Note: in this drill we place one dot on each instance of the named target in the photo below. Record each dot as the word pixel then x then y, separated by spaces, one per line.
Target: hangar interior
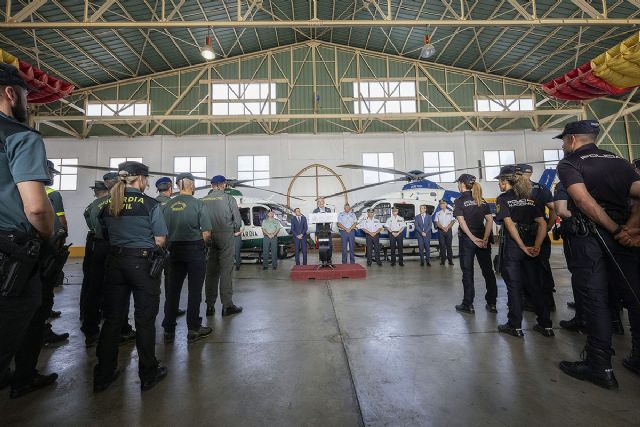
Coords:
pixel 289 84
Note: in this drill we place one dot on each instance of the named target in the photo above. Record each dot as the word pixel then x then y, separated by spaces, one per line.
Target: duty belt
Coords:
pixel 134 252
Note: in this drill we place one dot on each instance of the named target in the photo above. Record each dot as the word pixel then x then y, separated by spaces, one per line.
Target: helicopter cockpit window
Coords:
pixel 281 213
pixel 382 212
pixel 360 208
pixel 245 215
pixel 259 214
pixel 406 210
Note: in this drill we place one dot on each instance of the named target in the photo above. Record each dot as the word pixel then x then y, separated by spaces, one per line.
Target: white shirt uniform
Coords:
pixel 395 223
pixel 371 225
pixel 444 217
pixel 347 219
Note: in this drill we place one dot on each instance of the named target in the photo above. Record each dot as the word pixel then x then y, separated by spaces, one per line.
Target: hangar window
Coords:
pixel 377 160
pixel 439 161
pixel 115 161
pixel 552 157
pixel 504 103
pixel 243 99
pixel 108 109
pixel 68 178
pixel 384 97
pixel 255 168
pixel 196 165
pixel 494 160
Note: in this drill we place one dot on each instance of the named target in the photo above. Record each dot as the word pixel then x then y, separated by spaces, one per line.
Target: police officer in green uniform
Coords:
pixel 60 225
pixel 189 228
pixel 225 220
pixel 135 227
pixel 164 186
pixel 99 189
pixel 26 223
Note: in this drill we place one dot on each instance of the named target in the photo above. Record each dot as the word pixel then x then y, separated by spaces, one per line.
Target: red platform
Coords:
pixel 340 271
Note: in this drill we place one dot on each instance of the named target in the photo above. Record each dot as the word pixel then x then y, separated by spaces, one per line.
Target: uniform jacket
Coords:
pixel 223 211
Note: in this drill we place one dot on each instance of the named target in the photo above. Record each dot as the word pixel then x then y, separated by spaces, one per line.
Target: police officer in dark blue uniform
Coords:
pixel 476 223
pixel 600 185
pixel 189 230
pixel 26 224
pixel 525 230
pixel 544 199
pixel 136 229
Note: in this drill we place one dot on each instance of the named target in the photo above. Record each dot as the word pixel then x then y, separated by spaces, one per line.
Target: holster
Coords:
pixel 55 256
pixel 528 233
pixel 159 259
pixel 575 225
pixel 18 259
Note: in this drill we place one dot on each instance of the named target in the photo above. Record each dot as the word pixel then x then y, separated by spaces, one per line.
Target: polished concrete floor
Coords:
pixel 388 350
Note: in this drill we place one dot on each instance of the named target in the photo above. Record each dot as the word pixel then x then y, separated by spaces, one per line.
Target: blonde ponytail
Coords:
pixel 521 186
pixel 117 193
pixel 476 193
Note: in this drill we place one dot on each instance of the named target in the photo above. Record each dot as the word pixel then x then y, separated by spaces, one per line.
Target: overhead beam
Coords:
pixel 521 10
pixel 315 24
pixel 26 11
pixel 587 8
pixel 101 10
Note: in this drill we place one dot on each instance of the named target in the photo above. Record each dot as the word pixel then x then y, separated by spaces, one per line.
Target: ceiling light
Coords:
pixel 207 51
pixel 428 50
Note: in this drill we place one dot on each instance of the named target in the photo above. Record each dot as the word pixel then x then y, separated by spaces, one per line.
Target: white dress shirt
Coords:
pixel 444 217
pixel 371 225
pixel 395 223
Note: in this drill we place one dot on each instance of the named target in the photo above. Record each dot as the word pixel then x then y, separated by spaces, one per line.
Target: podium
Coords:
pixel 323 221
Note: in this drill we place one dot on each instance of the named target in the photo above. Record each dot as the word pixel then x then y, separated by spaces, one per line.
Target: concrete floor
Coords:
pixel 389 350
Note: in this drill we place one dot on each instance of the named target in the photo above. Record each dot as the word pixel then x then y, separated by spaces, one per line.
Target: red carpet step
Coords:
pixel 341 271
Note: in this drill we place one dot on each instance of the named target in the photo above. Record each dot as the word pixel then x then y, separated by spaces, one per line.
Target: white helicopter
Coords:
pixel 416 192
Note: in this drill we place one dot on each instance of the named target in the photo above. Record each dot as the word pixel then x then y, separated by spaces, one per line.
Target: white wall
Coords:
pixel 288 155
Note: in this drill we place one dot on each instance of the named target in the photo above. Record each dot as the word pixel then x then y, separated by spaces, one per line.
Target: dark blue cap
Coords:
pixel 9 76
pixel 133 168
pixel 509 170
pixel 525 168
pixel 466 179
pixel 110 176
pixel 218 179
pixel 581 127
pixel 164 183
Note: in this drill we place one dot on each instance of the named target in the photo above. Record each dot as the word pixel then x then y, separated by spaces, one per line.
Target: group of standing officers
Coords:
pixel 130 232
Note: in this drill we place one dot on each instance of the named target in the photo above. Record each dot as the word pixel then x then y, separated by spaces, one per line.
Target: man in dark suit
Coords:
pixel 299 230
pixel 423 230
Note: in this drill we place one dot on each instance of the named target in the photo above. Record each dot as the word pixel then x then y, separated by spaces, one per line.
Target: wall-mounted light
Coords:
pixel 207 51
pixel 428 50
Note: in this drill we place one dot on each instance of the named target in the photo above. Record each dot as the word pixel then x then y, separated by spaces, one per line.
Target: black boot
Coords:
pixel 574 324
pixel 632 362
pixel 596 369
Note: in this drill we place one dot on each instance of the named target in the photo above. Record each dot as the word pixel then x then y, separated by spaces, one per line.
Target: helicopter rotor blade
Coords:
pixel 265 189
pixel 376 169
pixel 242 181
pixel 155 173
pixel 364 187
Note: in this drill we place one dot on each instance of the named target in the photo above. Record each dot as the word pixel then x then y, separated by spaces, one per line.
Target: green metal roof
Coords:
pixel 87 57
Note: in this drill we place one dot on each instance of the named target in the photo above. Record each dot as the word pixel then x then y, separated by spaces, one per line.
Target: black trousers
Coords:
pixel 520 271
pixel 26 357
pixel 86 272
pixel 16 314
pixel 396 244
pixel 594 271
pixel 566 245
pixel 445 240
pixel 468 250
pixel 548 284
pixel 127 275
pixel 373 248
pixel 187 260
pixel 94 295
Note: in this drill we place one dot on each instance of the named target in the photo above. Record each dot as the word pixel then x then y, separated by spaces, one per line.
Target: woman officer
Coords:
pixel 133 223
pixel 525 231
pixel 476 222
